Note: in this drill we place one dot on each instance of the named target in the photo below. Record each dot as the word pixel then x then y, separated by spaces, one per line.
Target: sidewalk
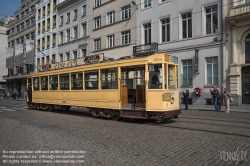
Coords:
pixel 245 109
pixel 20 99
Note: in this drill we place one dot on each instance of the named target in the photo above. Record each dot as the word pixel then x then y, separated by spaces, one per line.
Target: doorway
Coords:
pixel 245 85
pixel 133 96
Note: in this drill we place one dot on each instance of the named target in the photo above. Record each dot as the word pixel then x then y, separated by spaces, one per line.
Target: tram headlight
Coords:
pixel 172 100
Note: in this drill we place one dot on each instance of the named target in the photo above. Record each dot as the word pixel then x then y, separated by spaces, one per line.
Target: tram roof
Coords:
pixel 157 56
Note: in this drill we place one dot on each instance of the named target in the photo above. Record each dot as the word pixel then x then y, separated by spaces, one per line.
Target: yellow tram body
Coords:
pixel 120 88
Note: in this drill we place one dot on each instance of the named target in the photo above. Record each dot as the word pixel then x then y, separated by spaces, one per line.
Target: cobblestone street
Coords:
pixel 196 138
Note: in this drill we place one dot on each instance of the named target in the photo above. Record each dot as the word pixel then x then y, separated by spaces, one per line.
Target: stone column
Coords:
pixel 234 75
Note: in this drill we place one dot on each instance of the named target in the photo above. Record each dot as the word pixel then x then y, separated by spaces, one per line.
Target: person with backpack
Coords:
pixel 227 99
pixel 216 97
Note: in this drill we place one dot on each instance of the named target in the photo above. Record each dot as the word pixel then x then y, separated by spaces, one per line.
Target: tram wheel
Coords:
pixel 116 116
pixel 50 108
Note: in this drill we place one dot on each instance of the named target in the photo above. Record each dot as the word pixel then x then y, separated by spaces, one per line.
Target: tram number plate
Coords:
pixel 63 101
pixel 166 96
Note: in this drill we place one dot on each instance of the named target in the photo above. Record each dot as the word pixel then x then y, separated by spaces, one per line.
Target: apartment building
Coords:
pixel 21 31
pixel 112 28
pixel 73 29
pixel 46 46
pixel 238 61
pixel 190 30
pixel 3 45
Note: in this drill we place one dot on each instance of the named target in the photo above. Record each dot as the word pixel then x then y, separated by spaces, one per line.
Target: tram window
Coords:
pixel 155 76
pixel 91 79
pixel 171 76
pixel 124 76
pixel 109 78
pixel 36 83
pixel 54 82
pixel 76 81
pixel 64 82
pixel 44 81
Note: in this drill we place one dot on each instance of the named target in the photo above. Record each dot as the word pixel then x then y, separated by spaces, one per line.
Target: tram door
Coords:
pixel 133 87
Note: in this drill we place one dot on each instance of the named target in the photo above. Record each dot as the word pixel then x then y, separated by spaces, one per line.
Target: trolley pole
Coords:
pixel 222 52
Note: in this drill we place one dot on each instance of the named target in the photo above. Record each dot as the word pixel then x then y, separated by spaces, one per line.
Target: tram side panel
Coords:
pixel 96 99
pixel 160 101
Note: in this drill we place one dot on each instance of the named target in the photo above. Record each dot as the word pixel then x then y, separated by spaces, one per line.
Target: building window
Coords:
pixel 186 25
pixel 18 28
pixel 125 12
pixel 32 35
pixel 61 37
pixel 68 35
pixel 68 17
pixel 111 41
pixel 247 1
pixel 147 33
pixel 165 30
pixel 84 10
pixel 75 54
pixel 8 44
pixel 247 49
pixel 84 30
pixel 84 52
pixel 27 11
pixel 125 37
pixel 97 44
pixel 33 21
pixel 32 8
pixel 212 19
pixel 17 41
pixel 61 20
pixel 27 23
pixel 187 76
pixel 13 44
pixel 75 32
pixel 22 14
pixel 147 3
pixel 98 22
pixel 212 70
pixel 22 26
pixel 27 36
pixel 67 56
pixel 98 3
pixel 22 40
pixel 61 57
pixel 111 17
pixel 91 79
pixel 13 31
pixel 17 17
pixel 75 14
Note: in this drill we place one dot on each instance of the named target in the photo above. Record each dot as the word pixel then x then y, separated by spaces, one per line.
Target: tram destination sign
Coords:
pixel 74 62
pixel 171 59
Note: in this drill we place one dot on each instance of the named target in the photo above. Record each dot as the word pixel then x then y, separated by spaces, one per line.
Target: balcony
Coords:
pixel 240 10
pixel 145 49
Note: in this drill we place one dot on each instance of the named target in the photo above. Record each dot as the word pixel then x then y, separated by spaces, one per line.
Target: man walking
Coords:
pixel 185 98
pixel 216 96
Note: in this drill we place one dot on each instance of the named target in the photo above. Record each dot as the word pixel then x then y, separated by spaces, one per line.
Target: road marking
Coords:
pixel 2 107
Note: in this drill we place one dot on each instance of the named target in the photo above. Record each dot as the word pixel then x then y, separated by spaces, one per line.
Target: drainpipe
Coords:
pixel 222 52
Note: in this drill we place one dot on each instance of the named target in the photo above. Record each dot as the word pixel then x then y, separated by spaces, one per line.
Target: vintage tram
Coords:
pixel 136 88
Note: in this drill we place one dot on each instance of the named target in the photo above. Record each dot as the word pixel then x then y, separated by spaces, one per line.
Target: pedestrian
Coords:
pixel 227 100
pixel 185 98
pixel 216 97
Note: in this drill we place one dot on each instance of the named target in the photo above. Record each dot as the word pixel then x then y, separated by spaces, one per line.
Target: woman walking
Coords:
pixel 226 97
